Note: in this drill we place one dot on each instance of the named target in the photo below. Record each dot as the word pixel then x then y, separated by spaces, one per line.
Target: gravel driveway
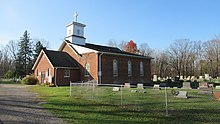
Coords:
pixel 18 106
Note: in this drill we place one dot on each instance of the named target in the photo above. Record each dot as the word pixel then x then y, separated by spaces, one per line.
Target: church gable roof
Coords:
pixel 60 59
pixel 56 59
pixel 113 50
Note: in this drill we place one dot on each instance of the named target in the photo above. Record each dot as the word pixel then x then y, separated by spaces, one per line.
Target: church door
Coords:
pixel 43 74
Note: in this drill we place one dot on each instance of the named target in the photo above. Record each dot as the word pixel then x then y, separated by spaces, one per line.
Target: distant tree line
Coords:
pixel 182 58
pixel 18 56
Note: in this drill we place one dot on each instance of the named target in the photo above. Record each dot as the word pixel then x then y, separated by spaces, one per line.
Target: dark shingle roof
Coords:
pixel 60 59
pixel 110 49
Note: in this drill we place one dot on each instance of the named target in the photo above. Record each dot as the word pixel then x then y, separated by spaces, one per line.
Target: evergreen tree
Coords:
pixel 24 60
pixel 38 47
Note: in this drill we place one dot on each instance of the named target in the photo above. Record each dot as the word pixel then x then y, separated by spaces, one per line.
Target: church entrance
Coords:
pixel 43 74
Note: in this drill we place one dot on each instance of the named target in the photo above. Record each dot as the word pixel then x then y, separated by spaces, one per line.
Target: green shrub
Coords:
pixel 8 74
pixel 47 84
pixel 29 80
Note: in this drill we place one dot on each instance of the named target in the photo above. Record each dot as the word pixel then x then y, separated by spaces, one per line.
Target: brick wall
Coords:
pixel 107 70
pixel 90 58
pixel 42 67
pixel 61 80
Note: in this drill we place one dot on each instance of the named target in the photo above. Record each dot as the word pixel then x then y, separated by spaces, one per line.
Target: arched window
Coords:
pixel 129 69
pixel 87 69
pixel 115 68
pixel 141 69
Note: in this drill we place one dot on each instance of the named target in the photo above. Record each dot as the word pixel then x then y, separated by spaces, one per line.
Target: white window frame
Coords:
pixel 115 68
pixel 141 69
pixel 66 73
pixel 87 70
pixel 129 68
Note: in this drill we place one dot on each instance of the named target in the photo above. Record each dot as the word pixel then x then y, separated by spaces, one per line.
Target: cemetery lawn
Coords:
pixel 137 107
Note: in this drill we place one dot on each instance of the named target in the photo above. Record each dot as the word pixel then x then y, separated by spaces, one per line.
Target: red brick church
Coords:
pixel 78 61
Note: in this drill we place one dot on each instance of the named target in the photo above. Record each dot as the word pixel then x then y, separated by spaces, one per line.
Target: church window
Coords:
pixel 115 68
pixel 129 69
pixel 66 73
pixel 141 69
pixel 87 69
pixel 48 72
pixel 78 32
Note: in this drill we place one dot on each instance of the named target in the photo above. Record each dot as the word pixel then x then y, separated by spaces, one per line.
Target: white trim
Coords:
pixel 68 67
pixel 39 57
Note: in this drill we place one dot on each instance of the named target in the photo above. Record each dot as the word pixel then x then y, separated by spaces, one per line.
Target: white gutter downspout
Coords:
pixel 55 80
pixel 100 69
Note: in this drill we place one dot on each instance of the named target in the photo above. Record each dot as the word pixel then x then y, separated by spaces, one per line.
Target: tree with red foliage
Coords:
pixel 130 47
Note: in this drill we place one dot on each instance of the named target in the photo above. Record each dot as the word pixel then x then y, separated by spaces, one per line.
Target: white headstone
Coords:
pixel 156 87
pixel 116 89
pixel 127 85
pixel 182 94
pixel 159 78
pixel 181 77
pixel 206 76
pixel 192 78
pixel 188 78
pixel 217 87
pixel 154 77
pixel 140 86
pixel 186 85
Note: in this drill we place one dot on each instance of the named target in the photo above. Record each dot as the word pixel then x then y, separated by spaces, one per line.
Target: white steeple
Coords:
pixel 75 32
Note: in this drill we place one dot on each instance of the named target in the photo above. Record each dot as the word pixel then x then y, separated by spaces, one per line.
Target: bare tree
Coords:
pixel 112 43
pixel 145 50
pixel 12 48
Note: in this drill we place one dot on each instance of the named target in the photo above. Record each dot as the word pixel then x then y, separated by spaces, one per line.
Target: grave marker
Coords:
pixel 140 86
pixel 182 94
pixel 217 87
pixel 127 85
pixel 186 85
pixel 116 89
pixel 156 87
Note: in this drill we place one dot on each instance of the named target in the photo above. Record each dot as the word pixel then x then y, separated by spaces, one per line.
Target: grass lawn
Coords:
pixel 137 107
pixel 6 81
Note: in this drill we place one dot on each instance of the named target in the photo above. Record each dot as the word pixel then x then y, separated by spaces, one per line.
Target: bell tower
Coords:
pixel 75 32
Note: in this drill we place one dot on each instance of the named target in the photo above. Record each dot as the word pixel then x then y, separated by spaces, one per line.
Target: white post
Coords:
pixel 166 100
pixel 121 95
pixel 70 89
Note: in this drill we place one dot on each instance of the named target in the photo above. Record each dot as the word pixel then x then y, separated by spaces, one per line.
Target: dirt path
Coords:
pixel 18 106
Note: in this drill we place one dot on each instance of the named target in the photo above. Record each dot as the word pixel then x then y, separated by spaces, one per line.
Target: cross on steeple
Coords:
pixel 75 16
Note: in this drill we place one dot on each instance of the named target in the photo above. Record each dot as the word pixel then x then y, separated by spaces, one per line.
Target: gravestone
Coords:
pixel 127 85
pixel 182 94
pixel 156 87
pixel 217 87
pixel 154 78
pixel 115 89
pixel 188 78
pixel 140 86
pixel 159 78
pixel 133 91
pixel 193 78
pixel 186 85
pixel 203 85
pixel 206 76
pixel 181 78
pixel 204 89
pixel 201 78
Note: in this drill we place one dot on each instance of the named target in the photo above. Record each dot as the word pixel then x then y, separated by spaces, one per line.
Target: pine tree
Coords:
pixel 38 47
pixel 24 60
